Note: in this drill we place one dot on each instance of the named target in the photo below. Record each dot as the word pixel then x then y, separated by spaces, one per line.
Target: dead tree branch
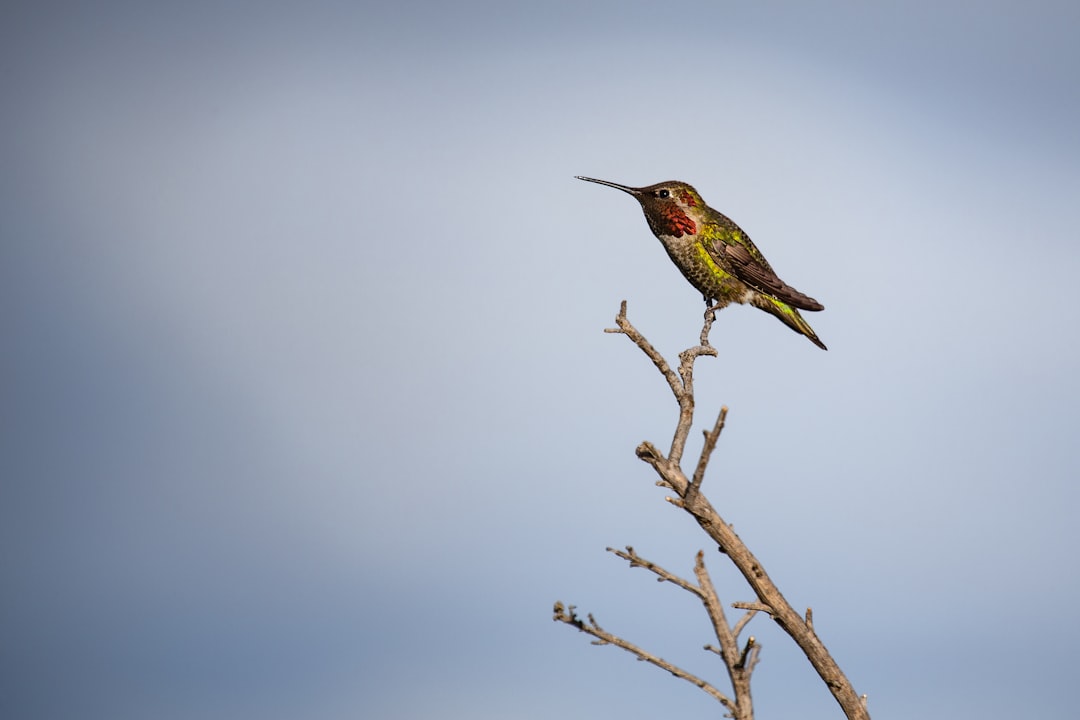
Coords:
pixel 698 506
pixel 739 662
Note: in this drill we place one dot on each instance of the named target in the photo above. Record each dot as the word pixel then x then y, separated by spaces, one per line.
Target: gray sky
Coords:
pixel 307 410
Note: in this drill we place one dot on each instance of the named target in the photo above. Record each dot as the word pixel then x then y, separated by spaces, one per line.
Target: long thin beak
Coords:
pixel 617 186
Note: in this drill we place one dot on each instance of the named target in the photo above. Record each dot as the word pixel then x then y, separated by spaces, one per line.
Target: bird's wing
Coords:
pixel 731 248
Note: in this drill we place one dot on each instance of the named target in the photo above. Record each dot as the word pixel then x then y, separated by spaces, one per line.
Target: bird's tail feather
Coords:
pixel 787 315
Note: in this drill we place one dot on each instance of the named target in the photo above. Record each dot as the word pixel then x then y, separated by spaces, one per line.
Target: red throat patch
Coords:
pixel 676 222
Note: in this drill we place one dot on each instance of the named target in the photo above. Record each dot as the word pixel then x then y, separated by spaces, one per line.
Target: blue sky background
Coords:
pixel 306 409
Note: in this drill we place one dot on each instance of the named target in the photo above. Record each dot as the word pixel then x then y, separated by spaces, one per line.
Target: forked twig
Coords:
pixel 681 382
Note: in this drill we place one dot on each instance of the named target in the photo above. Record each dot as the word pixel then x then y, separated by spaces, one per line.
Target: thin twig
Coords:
pixel 738 628
pixel 567 614
pixel 663 575
pixel 714 608
pixel 707 449
pixel 623 327
pixel 735 663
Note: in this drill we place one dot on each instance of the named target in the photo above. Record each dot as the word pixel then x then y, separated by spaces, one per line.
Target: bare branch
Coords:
pixel 715 609
pixel 739 663
pixel 671 475
pixel 624 327
pixel 738 672
pixel 735 663
pixel 681 383
pixel 636 560
pixel 686 399
pixel 772 601
pixel 567 614
pixel 707 449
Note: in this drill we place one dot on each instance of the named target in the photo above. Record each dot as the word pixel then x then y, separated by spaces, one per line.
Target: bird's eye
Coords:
pixel 662 194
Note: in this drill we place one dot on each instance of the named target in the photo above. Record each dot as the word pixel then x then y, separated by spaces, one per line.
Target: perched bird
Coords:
pixel 716 256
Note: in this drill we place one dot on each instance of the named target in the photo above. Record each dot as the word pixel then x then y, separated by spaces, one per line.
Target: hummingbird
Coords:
pixel 715 255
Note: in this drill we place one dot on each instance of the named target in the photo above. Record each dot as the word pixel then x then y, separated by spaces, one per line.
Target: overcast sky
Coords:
pixel 306 409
